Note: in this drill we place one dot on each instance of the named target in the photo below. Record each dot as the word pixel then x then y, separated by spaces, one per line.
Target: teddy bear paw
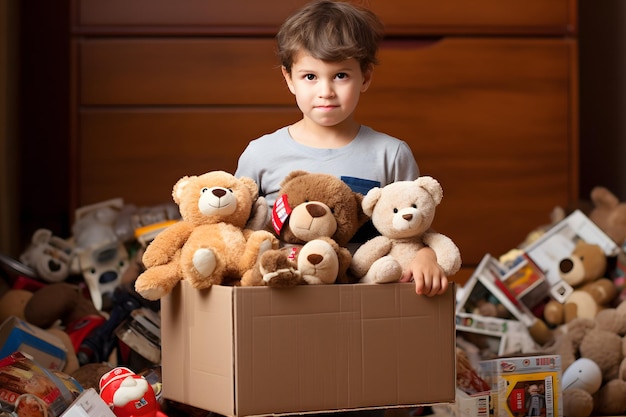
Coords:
pixel 383 271
pixel 204 262
pixel 153 294
pixel 278 270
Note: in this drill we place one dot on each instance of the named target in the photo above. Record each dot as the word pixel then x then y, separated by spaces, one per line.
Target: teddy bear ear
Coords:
pixel 431 186
pixel 370 200
pixel 179 187
pixel 602 197
pixel 292 175
pixel 41 236
pixel 252 187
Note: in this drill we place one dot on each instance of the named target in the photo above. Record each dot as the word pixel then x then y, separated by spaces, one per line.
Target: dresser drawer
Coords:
pixel 139 154
pixel 264 17
pixel 493 119
pixel 173 71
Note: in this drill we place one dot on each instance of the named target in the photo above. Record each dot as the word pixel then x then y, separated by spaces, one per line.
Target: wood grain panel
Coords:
pixel 264 17
pixel 180 72
pixel 140 154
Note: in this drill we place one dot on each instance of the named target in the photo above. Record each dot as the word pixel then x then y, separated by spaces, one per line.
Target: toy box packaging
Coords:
pixel 88 404
pixel 46 348
pixel 525 386
pixel 243 351
pixel 29 389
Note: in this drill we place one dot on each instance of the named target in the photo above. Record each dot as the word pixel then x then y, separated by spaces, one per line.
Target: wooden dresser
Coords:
pixel 485 93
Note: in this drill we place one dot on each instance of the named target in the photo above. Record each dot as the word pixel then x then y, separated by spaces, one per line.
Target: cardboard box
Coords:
pixel 528 386
pixel 255 350
pixel 88 404
pixel 18 335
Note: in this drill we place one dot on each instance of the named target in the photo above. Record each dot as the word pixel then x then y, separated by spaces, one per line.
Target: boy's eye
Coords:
pixel 341 75
pixel 309 77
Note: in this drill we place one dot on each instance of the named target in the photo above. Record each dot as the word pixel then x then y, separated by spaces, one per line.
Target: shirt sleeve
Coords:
pixel 406 168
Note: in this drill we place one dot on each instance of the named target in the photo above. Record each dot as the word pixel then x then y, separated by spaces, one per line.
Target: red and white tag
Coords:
pixel 280 213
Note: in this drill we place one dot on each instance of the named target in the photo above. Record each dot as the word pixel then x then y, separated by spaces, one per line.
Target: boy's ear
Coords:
pixel 287 77
pixel 367 78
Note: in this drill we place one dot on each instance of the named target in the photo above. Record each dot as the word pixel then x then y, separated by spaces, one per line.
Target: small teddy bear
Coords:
pixel 210 245
pixel 314 217
pixel 599 340
pixel 584 270
pixel 50 256
pixel 403 213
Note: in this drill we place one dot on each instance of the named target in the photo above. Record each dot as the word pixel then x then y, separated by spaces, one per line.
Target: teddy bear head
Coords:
pixel 215 197
pixel 609 214
pixel 586 263
pixel 50 256
pixel 312 205
pixel 404 209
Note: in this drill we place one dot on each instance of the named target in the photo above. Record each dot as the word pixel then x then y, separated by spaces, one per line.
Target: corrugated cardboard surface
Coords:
pixel 252 351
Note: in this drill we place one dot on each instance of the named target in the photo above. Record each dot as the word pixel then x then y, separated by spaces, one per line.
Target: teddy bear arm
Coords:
pixel 448 254
pixel 165 245
pixel 368 253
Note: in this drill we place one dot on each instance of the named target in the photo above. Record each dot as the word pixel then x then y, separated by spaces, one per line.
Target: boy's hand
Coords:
pixel 429 277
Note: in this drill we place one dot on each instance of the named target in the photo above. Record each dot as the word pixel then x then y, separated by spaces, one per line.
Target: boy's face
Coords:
pixel 327 93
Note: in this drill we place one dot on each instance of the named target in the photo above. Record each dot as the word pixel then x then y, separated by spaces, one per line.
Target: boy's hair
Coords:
pixel 331 31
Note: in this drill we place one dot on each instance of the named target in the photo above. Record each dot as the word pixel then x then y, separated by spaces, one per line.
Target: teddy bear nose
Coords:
pixel 218 192
pixel 407 217
pixel 566 265
pixel 315 259
pixel 316 210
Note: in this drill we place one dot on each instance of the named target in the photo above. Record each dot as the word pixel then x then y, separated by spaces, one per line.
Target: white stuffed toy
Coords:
pixel 402 212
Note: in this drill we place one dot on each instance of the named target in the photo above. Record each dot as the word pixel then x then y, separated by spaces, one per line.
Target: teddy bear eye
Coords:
pixel 204 190
pixel 395 210
pixel 414 206
pixel 230 190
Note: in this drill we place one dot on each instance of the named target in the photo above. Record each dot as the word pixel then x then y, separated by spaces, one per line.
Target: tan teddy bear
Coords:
pixel 600 340
pixel 210 245
pixel 315 216
pixel 403 213
pixel 584 270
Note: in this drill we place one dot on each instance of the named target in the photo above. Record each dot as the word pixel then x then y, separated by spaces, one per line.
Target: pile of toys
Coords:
pixel 69 312
pixel 559 295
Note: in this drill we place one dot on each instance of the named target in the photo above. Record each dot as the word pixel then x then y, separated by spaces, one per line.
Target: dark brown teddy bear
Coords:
pixel 314 217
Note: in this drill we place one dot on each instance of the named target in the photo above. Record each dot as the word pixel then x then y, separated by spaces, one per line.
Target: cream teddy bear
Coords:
pixel 403 213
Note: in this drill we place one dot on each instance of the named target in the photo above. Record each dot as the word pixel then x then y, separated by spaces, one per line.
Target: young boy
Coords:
pixel 328 51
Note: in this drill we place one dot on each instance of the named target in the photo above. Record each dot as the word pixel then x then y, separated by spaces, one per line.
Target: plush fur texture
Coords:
pixel 403 213
pixel 325 215
pixel 211 244
pixel 601 340
pixel 584 270
pixel 609 214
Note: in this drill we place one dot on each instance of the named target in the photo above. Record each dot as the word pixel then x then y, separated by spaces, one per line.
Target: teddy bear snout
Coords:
pixel 316 210
pixel 217 201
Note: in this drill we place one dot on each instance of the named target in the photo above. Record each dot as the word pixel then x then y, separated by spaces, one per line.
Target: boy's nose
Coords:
pixel 326 90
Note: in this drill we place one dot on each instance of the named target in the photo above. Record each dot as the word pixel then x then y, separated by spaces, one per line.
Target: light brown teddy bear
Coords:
pixel 600 340
pixel 609 214
pixel 403 213
pixel 210 245
pixel 315 216
pixel 584 270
